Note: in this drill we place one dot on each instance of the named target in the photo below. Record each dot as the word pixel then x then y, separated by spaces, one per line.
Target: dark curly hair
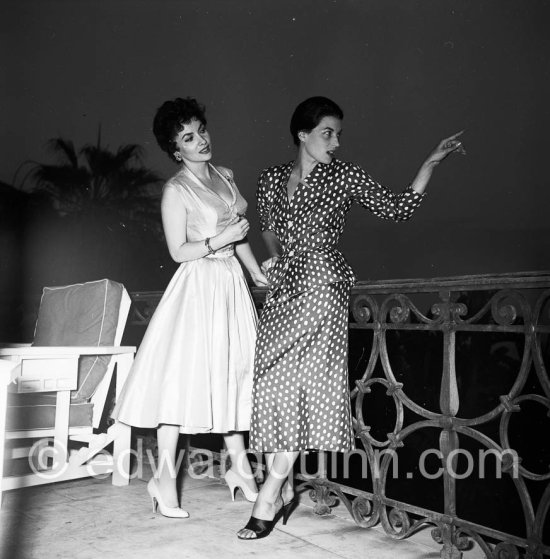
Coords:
pixel 170 118
pixel 310 112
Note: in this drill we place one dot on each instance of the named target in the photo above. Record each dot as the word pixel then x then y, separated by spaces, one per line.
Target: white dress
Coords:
pixel 194 366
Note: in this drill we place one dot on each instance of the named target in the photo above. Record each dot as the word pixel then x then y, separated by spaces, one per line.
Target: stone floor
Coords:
pixel 90 519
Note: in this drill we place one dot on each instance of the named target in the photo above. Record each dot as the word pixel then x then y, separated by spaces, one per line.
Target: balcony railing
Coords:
pixel 451 400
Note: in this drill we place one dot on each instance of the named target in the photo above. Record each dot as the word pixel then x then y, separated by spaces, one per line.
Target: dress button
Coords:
pixel 290 223
pixel 291 253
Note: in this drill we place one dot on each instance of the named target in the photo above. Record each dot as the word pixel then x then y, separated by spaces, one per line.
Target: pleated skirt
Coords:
pixel 194 367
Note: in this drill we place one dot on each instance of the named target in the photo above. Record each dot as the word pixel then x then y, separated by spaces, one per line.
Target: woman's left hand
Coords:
pixel 259 279
pixel 446 146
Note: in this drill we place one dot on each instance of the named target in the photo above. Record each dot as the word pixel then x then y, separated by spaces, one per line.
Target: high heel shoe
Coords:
pixel 235 481
pixel 158 503
pixel 263 528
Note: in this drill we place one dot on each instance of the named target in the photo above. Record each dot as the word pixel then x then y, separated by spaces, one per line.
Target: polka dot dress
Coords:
pixel 301 395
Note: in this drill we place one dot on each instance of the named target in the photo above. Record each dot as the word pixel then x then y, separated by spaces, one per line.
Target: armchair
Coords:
pixel 53 392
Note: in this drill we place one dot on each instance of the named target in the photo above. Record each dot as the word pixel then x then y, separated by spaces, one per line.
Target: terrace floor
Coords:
pixel 88 519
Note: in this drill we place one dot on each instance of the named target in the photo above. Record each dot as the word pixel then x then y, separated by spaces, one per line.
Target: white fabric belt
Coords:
pixel 224 253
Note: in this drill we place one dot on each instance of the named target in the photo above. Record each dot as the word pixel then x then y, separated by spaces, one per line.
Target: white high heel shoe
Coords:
pixel 235 481
pixel 170 512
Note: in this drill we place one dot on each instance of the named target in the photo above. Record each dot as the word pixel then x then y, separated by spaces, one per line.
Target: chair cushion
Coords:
pixel 84 314
pixel 37 411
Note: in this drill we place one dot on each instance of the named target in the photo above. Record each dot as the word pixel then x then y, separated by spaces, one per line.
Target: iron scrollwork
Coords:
pixel 514 308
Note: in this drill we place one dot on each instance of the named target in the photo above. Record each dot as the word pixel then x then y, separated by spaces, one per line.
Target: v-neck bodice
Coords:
pixel 226 180
pixel 302 183
pixel 207 212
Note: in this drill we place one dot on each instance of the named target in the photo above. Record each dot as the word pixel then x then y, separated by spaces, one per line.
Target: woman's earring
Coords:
pixel 177 156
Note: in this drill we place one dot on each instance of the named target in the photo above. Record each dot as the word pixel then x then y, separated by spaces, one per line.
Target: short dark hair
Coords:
pixel 310 112
pixel 170 118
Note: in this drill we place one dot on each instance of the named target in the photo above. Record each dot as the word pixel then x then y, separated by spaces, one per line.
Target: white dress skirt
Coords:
pixel 194 366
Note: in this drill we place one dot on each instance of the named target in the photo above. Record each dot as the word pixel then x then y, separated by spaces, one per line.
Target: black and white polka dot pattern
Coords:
pixel 310 226
pixel 301 395
pixel 301 398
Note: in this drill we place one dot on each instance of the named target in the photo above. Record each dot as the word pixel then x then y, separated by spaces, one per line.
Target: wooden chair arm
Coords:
pixel 34 352
pixel 8 372
pixel 53 368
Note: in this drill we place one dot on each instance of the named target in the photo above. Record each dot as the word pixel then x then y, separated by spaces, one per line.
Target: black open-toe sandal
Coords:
pixel 263 528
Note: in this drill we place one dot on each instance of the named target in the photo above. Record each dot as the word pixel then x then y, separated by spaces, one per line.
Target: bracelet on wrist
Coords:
pixel 207 245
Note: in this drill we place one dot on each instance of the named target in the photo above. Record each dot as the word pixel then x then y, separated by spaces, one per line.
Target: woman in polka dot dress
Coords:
pixel 301 396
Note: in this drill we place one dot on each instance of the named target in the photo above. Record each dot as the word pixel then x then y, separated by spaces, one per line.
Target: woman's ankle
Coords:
pixel 246 474
pixel 168 491
pixel 266 508
pixel 287 492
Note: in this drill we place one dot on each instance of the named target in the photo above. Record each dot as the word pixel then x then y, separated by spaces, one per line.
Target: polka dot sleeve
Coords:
pixel 264 200
pixel 380 200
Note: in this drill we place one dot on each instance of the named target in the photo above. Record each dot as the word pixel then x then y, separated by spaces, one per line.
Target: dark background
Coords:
pixel 406 73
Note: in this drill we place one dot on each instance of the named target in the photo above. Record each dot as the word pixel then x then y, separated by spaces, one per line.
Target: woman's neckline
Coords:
pixel 224 179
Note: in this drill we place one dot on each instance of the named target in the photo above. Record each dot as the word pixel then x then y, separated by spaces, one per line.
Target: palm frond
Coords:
pixel 61 177
pixel 128 153
pixel 105 183
pixel 100 161
pixel 65 148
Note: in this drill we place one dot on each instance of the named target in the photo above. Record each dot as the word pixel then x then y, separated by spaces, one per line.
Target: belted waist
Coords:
pixel 306 267
pixel 311 241
pixel 224 252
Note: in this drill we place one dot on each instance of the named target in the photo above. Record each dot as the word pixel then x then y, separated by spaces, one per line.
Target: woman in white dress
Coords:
pixel 193 370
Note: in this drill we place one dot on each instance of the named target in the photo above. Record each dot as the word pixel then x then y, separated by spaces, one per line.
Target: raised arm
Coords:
pixel 387 204
pixel 444 148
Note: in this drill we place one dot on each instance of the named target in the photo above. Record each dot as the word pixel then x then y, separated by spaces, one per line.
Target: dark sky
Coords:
pixel 406 73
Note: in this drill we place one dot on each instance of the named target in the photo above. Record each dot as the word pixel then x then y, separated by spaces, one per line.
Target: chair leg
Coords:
pixel 3 406
pixel 123 432
pixel 121 453
pixel 61 430
pixel 6 368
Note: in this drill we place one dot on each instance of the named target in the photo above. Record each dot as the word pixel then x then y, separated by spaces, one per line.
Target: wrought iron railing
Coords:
pixel 445 373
